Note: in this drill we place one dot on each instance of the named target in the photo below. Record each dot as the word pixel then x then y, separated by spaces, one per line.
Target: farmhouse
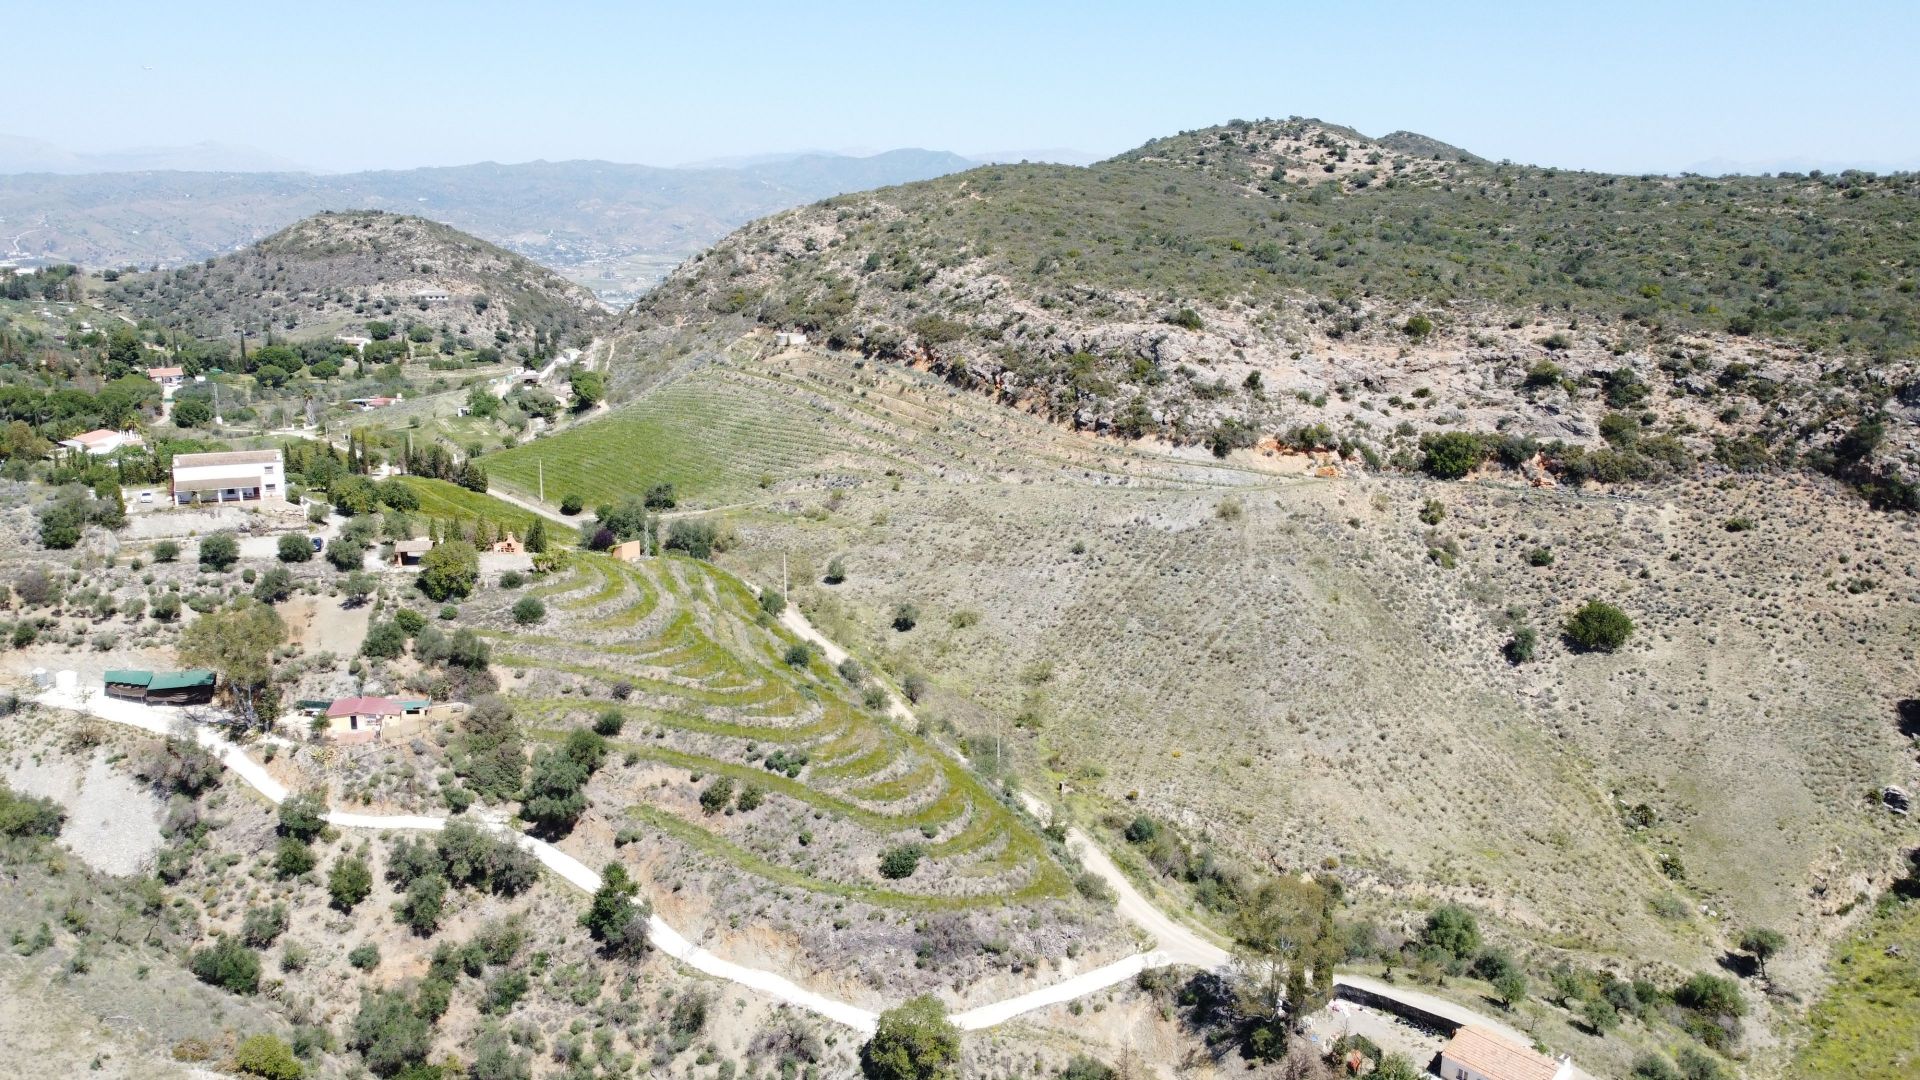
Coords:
pixel 789 340
pixel 368 404
pixel 228 476
pixel 432 296
pixel 362 719
pixel 169 378
pixel 101 442
pixel 630 551
pixel 1475 1053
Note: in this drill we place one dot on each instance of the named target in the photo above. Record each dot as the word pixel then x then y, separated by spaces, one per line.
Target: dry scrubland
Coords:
pixel 1310 672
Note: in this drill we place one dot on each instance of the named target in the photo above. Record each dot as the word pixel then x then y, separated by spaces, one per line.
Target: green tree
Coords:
pixel 191 412
pixel 420 908
pixel 589 388
pixel 303 816
pixel 219 551
pixel 1451 930
pixel 239 641
pixel 295 548
pixel 897 863
pixel 1599 1015
pixel 614 920
pixel 1763 945
pixel 267 1056
pixel 389 1033
pixel 1286 946
pixel 914 1041
pixel 1598 627
pixel 489 753
pixel 349 882
pixel 1512 987
pixel 227 964
pixel 449 571
pixel 1450 455
pixel 696 538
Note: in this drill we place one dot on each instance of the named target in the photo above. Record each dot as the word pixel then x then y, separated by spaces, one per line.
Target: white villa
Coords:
pixel 169 378
pixel 229 476
pixel 102 442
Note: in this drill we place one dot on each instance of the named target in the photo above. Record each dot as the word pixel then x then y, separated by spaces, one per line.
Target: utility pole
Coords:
pixel 783 575
pixel 541 465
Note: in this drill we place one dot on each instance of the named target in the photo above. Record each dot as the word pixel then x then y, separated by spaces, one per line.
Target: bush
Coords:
pixel 266 1056
pixel 1450 455
pixel 27 815
pixel 291 858
pixel 410 620
pixel 1451 930
pixel 529 610
pixel 219 551
pixel 772 602
pixel 419 910
pixel 571 503
pixel 365 956
pixel 295 548
pixel 166 551
pixel 450 570
pixel 260 927
pixel 349 882
pixel 914 1041
pixel 836 571
pixel 346 554
pixel 696 538
pixel 898 863
pixel 384 641
pixel 1711 995
pixel 389 1033
pixel 512 579
pixel 905 617
pixel 1521 647
pixel 716 796
pixel 609 723
pixel 227 964
pixel 274 586
pixel 613 919
pixel 1598 627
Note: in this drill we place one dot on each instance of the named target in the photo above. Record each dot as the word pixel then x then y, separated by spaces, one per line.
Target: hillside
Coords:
pixel 1296 284
pixel 612 227
pixel 335 272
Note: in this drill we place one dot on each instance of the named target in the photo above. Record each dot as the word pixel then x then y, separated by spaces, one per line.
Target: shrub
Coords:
pixel 260 927
pixel 389 1033
pixel 274 586
pixel 905 617
pixel 1540 556
pixel 1598 627
pixel 528 610
pixel 410 620
pixel 1186 319
pixel 914 1041
pixel 1417 327
pixel 349 882
pixel 1450 455
pixel 268 1057
pixel 227 964
pixel 696 538
pixel 836 571
pixel 609 723
pixel 717 795
pixel 798 655
pixel 27 815
pixel 772 602
pixel 295 548
pixel 571 503
pixel 384 641
pixel 166 551
pixel 450 570
pixel 1142 830
pixel 512 579
pixel 420 908
pixel 1711 995
pixel 897 863
pixel 291 858
pixel 219 551
pixel 1452 930
pixel 1521 647
pixel 365 956
pixel 613 919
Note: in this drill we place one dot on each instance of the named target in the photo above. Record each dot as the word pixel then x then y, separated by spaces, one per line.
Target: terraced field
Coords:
pixel 712 693
pixel 451 502
pixel 734 429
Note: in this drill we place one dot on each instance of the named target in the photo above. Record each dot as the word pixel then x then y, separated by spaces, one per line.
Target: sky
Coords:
pixel 337 86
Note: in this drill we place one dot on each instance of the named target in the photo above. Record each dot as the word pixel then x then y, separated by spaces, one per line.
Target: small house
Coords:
pixel 169 379
pixel 508 545
pixel 410 552
pixel 630 551
pixel 363 719
pixel 789 340
pixel 1477 1053
pixel 101 442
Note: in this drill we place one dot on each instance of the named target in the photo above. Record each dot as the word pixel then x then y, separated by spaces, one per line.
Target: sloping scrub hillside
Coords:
pixel 1295 281
pixel 336 272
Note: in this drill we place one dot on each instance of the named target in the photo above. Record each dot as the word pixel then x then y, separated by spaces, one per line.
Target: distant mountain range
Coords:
pixel 19 154
pixel 611 227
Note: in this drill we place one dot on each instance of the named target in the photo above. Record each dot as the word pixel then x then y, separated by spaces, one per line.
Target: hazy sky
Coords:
pixel 1621 86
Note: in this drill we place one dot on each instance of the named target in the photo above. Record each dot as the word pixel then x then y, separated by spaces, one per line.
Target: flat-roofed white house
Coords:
pixel 229 476
pixel 102 441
